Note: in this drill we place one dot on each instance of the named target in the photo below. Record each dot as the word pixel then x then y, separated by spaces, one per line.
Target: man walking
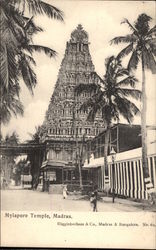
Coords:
pixel 93 199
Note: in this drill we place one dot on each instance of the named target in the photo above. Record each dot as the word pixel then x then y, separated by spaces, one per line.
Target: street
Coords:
pixel 29 200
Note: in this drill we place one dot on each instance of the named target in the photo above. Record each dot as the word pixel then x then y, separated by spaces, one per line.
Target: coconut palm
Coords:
pixel 110 96
pixel 10 104
pixel 142 46
pixel 16 47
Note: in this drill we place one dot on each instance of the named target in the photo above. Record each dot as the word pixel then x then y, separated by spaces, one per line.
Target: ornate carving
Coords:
pixel 79 35
pixel 76 68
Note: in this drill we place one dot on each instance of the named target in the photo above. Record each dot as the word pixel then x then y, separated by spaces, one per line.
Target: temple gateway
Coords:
pixel 65 129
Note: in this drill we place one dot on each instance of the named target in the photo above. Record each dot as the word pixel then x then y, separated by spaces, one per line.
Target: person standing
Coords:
pixel 65 192
pixel 93 199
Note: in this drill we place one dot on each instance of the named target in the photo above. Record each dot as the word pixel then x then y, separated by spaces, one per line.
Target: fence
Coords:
pixel 128 175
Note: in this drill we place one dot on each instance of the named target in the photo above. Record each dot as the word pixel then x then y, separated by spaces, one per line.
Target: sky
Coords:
pixel 102 21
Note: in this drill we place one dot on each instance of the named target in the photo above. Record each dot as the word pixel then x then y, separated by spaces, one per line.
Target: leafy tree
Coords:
pixel 20 168
pixel 8 161
pixel 142 46
pixel 12 139
pixel 16 50
pixel 10 104
pixel 35 157
pixel 111 97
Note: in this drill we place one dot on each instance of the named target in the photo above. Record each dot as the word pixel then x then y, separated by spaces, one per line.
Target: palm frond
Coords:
pixel 14 23
pixel 134 60
pixel 124 39
pixel 9 105
pixel 134 93
pixel 125 51
pixel 16 107
pixel 149 60
pixel 130 80
pixel 89 103
pixel 153 48
pixel 8 66
pixel 92 113
pixel 152 44
pixel 122 72
pixel 88 88
pixel 8 33
pixel 30 59
pixel 126 108
pixel 99 78
pixel 130 26
pixel 38 48
pixel 27 73
pixel 32 25
pixel 12 17
pixel 151 31
pixel 107 112
pixel 39 7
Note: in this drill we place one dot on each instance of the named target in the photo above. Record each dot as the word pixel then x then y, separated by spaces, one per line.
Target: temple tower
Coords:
pixel 65 126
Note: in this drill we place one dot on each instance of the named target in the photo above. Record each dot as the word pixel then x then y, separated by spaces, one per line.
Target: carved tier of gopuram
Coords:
pixel 66 127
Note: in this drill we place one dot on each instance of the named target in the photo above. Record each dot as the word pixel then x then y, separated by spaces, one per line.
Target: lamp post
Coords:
pixel 113 156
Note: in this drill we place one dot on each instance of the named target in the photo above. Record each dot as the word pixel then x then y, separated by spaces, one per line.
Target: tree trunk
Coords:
pixel 143 124
pixel 35 160
pixel 106 144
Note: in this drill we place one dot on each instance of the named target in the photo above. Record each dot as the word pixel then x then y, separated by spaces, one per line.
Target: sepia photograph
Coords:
pixel 77 114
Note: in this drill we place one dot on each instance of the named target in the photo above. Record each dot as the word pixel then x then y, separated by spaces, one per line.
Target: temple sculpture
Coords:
pixel 65 128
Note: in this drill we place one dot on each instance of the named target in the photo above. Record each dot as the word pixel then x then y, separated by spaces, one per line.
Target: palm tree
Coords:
pixel 110 96
pixel 10 104
pixel 142 46
pixel 16 47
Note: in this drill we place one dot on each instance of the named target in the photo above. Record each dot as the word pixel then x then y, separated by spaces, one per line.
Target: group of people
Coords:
pixel 93 197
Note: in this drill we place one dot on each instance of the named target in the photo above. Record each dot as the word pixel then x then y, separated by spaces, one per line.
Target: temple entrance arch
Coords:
pixel 35 154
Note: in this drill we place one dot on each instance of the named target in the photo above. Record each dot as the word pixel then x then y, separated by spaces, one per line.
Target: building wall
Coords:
pixel 123 137
pixel 128 172
pixel 63 155
pixel 129 179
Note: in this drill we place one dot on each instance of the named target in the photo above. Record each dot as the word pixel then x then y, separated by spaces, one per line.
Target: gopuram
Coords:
pixel 65 129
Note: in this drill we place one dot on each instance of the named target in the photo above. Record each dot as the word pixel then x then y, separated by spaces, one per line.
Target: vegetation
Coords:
pixel 35 158
pixel 111 97
pixel 20 168
pixel 142 46
pixel 7 162
pixel 16 50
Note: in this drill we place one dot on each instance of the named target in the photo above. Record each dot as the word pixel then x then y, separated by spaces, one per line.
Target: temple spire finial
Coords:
pixel 79 35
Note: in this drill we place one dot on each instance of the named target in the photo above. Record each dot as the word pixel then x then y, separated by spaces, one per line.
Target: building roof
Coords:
pixel 53 163
pixel 123 156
